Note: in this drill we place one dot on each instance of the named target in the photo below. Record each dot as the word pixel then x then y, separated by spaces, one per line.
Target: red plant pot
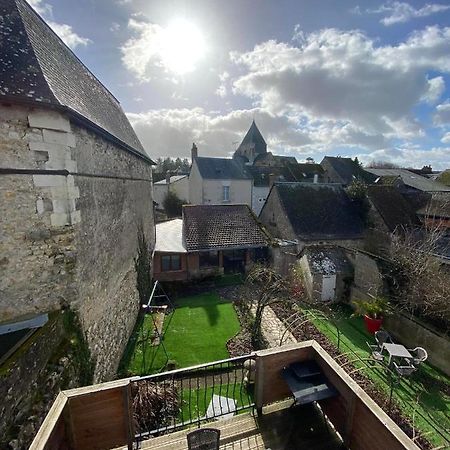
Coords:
pixel 372 324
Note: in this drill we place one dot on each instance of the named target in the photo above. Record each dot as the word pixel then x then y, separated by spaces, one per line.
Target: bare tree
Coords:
pixel 270 288
pixel 422 282
pixel 381 165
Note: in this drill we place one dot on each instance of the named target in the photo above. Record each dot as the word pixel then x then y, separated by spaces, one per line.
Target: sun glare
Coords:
pixel 182 46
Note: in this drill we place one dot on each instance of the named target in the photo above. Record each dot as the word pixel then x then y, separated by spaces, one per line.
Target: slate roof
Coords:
pixel 221 169
pixel 437 206
pixel 319 211
pixel 347 169
pixel 37 67
pixel 327 260
pixel 411 179
pixel 254 137
pixel 393 208
pixel 210 227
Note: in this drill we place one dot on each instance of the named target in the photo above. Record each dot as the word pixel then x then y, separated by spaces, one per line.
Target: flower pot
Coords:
pixel 372 324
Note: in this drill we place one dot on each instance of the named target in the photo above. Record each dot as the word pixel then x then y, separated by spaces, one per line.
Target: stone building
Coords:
pixel 312 214
pixel 75 190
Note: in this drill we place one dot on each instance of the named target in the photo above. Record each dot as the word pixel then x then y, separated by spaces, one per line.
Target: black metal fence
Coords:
pixel 169 401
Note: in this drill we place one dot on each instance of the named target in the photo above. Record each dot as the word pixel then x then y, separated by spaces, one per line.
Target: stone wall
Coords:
pixel 71 238
pixel 36 255
pixel 274 218
pixel 411 333
pixel 114 204
pixel 367 280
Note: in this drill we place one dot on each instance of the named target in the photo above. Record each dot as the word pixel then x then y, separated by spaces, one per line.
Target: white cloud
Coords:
pixel 343 77
pixel 437 157
pixel 446 138
pixel 222 90
pixel 155 50
pixel 41 7
pixel 63 30
pixel 400 12
pixel 442 115
pixel 435 90
pixel 66 33
pixel 171 131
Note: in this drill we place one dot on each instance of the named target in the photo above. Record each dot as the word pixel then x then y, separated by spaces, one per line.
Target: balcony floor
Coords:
pixel 279 428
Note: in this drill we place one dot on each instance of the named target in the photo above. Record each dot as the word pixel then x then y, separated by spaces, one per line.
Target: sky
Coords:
pixel 320 77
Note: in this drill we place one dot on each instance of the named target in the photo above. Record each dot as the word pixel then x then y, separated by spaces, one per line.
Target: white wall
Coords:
pixel 240 192
pixel 210 192
pixel 181 188
pixel 159 193
pixel 195 186
pixel 259 197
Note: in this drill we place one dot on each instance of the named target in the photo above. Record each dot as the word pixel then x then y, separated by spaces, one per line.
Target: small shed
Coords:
pixel 327 272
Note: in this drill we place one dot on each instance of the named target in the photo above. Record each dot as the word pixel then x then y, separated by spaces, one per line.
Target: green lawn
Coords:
pixel 420 397
pixel 196 332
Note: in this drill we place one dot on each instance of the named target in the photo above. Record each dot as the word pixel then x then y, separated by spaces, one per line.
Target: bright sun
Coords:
pixel 182 46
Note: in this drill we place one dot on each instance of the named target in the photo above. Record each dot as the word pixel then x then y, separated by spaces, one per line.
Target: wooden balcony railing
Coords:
pixel 101 416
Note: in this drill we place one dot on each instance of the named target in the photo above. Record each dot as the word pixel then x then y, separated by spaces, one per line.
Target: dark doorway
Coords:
pixel 234 261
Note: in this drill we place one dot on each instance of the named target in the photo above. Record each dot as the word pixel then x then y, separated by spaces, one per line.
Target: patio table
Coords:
pixel 396 351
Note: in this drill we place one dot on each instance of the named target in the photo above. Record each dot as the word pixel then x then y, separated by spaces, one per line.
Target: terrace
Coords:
pixel 157 411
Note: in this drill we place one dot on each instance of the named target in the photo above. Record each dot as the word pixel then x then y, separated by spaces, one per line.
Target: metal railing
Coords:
pixel 169 401
pixel 392 380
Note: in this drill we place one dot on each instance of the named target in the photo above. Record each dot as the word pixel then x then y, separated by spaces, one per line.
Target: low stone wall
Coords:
pixel 413 334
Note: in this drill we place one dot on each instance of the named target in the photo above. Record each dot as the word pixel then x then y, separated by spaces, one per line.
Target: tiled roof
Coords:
pixel 347 169
pixel 392 207
pixel 36 66
pixel 411 179
pixel 221 169
pixel 221 227
pixel 319 211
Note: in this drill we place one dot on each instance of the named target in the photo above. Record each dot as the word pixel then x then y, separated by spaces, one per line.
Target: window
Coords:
pixel 226 193
pixel 209 259
pixel 170 262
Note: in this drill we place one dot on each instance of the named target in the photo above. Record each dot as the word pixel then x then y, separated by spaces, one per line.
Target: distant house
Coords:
pixel 411 181
pixel 312 214
pixel 344 171
pixel 178 184
pixel 328 272
pixel 219 180
pixel 208 240
pixel 247 177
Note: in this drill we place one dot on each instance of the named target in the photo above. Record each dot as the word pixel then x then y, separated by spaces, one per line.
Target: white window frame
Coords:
pixel 225 193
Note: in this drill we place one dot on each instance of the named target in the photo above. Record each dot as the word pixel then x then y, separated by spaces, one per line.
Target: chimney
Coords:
pixel 194 152
pixel 316 178
pixel 168 177
pixel 272 179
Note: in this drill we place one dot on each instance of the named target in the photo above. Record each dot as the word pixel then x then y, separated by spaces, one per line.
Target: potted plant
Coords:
pixel 372 310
